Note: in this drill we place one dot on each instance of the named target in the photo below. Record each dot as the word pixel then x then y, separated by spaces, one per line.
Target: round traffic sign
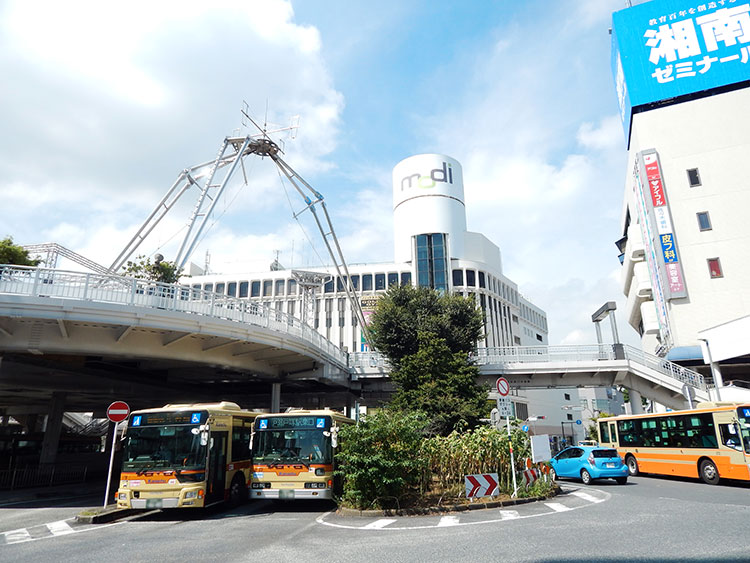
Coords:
pixel 118 411
pixel 503 387
pixel 525 427
pixel 579 421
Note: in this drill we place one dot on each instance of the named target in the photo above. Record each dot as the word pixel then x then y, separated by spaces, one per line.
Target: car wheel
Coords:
pixel 709 473
pixel 621 480
pixel 552 474
pixel 585 477
pixel 632 464
pixel 237 491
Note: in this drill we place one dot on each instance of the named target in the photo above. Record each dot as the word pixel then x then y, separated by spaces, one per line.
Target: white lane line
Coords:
pixel 509 514
pixel 557 507
pixel 448 521
pixel 586 496
pixel 60 528
pixel 382 523
pixel 15 536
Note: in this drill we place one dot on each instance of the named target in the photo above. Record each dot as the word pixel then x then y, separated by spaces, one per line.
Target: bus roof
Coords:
pixel 315 412
pixel 224 406
pixel 700 407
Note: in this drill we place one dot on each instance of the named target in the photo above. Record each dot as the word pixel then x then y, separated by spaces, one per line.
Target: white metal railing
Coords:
pixel 121 290
pixel 588 353
pixel 558 355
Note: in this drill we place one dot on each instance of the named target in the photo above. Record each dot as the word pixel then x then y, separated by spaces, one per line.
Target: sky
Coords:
pixel 102 105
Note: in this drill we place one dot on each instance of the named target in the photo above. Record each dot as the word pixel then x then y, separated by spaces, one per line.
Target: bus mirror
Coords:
pixel 204 438
pixel 195 431
pixel 334 436
pixel 250 445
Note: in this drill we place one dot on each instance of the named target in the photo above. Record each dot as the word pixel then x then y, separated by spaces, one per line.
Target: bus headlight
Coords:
pixel 123 496
pixel 319 471
pixel 191 494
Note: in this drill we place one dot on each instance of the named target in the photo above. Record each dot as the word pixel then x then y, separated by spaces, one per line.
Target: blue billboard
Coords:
pixel 668 48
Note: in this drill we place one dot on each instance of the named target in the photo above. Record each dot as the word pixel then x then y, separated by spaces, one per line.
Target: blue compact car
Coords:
pixel 588 463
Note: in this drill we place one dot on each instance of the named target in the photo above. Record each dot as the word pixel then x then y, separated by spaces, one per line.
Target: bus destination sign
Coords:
pixel 294 422
pixel 168 418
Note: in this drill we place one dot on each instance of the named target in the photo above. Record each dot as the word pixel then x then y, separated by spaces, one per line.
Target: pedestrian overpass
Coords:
pixel 88 337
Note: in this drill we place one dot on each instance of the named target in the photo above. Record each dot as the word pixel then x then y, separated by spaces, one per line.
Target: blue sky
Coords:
pixel 102 106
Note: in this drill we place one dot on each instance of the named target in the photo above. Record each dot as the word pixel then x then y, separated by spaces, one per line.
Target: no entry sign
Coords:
pixel 118 411
pixel 503 387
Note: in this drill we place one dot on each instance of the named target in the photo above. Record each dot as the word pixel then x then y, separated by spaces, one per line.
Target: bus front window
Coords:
pixel 743 417
pixel 163 447
pixel 290 446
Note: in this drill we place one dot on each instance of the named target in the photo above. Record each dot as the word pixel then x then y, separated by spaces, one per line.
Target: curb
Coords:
pixel 343 511
pixel 107 515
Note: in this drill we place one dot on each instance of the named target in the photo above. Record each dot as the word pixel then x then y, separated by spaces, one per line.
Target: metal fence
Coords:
pixel 42 476
pixel 121 290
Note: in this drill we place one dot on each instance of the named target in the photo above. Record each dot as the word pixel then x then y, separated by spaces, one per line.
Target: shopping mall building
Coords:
pixel 682 76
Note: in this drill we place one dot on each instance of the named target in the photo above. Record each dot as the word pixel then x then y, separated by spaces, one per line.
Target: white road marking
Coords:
pixel 60 528
pixel 509 514
pixel 557 507
pixel 586 496
pixel 448 521
pixel 382 523
pixel 15 536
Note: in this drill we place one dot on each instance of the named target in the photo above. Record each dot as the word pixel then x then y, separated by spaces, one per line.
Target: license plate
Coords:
pixel 153 503
pixel 286 493
pixel 610 464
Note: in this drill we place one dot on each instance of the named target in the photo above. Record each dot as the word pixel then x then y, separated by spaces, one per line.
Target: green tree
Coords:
pixel 592 431
pixel 404 311
pixel 427 338
pixel 159 270
pixel 380 459
pixel 441 384
pixel 14 254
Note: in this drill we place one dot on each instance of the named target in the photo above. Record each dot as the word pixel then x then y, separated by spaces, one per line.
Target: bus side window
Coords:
pixel 603 432
pixel 729 436
pixel 612 432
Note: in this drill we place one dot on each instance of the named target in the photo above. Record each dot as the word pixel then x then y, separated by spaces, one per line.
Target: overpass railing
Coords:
pixel 559 355
pixel 133 292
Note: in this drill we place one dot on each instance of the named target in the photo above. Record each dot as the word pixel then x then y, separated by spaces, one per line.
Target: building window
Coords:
pixel 539 337
pixel 367 282
pixel 232 289
pixel 379 281
pixel 243 289
pixel 704 222
pixel 714 267
pixel 255 289
pixel 280 287
pixel 481 280
pixel 432 269
pixel 567 396
pixel 291 287
pixel 220 288
pixel 471 278
pixel 267 288
pixel 570 416
pixel 340 284
pixel 355 282
pixel 458 277
pixel 405 278
pixel 328 286
pixel 208 287
pixel 392 278
pixel 693 177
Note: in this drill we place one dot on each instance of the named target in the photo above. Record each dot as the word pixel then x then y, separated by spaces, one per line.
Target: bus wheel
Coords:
pixel 632 465
pixel 708 472
pixel 237 490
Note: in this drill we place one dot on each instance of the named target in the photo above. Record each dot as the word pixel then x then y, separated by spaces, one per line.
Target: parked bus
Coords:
pixel 293 454
pixel 188 455
pixel 711 441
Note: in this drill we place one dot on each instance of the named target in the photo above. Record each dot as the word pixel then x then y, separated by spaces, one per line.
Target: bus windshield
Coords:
pixel 164 447
pixel 292 446
pixel 743 415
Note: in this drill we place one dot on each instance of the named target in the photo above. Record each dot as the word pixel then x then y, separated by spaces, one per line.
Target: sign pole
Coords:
pixel 111 463
pixel 512 461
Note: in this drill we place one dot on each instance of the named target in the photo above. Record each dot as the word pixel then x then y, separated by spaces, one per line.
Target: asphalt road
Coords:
pixel 649 519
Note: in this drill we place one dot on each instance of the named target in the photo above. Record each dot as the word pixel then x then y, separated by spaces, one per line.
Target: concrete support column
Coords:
pixel 52 431
pixel 636 405
pixel 276 397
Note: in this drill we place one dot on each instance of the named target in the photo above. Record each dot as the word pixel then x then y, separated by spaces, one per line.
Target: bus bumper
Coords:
pixel 291 494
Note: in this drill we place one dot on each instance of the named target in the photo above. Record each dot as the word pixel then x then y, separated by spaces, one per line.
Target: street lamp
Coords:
pixel 715 371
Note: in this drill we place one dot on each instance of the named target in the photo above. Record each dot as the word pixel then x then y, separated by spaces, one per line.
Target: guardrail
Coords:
pixel 121 290
pixel 557 354
pixel 42 476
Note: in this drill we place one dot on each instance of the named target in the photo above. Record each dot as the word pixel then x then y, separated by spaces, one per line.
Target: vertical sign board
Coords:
pixel 639 195
pixel 664 49
pixel 540 450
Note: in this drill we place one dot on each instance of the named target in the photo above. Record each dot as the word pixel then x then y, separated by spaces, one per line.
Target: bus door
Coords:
pixel 217 467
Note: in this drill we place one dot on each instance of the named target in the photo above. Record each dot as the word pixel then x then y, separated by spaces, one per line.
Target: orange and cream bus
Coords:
pixel 294 454
pixel 711 441
pixel 187 455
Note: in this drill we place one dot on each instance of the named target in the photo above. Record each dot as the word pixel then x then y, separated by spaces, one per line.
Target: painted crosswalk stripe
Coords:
pixel 509 514
pixel 586 496
pixel 382 523
pixel 15 536
pixel 448 521
pixel 557 507
pixel 60 528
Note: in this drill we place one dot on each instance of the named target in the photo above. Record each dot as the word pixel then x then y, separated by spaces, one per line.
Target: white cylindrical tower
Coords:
pixel 428 197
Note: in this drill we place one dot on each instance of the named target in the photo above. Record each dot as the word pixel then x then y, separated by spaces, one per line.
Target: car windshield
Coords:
pixel 604 453
pixel 163 447
pixel 292 446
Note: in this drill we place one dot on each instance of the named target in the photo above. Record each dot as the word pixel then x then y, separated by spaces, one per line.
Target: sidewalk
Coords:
pixel 86 490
